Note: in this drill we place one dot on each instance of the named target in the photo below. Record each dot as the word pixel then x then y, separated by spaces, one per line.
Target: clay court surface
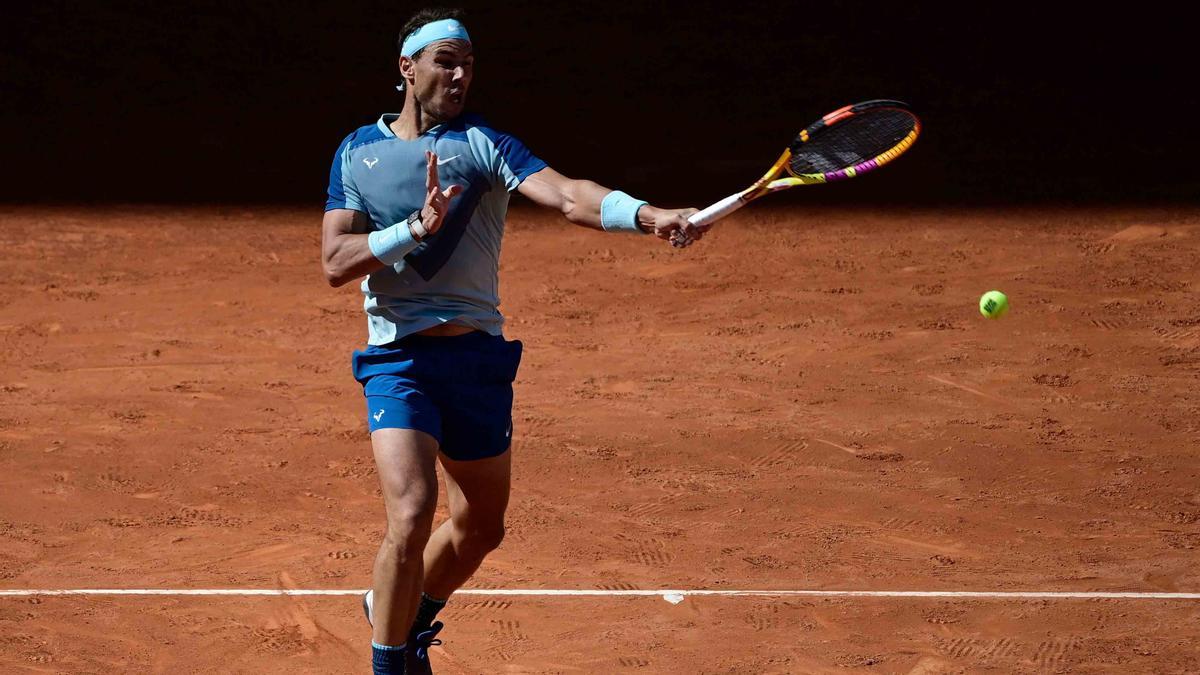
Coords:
pixel 804 400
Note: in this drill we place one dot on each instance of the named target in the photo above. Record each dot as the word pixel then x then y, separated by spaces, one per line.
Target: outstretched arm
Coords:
pixel 580 202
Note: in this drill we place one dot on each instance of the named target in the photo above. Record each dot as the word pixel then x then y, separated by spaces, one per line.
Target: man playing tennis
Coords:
pixel 437 372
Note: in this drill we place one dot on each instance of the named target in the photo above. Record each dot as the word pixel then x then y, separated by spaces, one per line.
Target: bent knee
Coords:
pixel 484 539
pixel 408 529
pixel 405 543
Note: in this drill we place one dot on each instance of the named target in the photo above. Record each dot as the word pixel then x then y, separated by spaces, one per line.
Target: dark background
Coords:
pixel 676 102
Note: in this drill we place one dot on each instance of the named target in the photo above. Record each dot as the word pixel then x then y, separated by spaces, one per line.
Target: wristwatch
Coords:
pixel 415 228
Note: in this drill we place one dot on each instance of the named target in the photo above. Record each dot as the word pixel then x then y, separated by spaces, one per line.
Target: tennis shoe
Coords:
pixel 416 658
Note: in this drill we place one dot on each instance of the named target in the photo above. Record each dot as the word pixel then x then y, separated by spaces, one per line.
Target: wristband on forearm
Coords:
pixel 391 244
pixel 618 212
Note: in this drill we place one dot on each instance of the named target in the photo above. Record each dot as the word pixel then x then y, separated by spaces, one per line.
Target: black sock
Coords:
pixel 426 612
pixel 387 660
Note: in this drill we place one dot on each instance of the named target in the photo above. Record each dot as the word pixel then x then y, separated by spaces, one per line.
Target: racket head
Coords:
pixel 849 142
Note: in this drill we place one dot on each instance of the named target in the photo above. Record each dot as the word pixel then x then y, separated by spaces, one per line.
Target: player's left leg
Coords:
pixel 477 492
pixel 477 459
pixel 475 396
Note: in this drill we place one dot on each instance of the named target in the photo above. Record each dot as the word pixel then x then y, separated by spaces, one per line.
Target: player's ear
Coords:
pixel 408 70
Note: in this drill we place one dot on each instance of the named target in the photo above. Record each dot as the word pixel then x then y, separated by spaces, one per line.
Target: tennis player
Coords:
pixel 417 203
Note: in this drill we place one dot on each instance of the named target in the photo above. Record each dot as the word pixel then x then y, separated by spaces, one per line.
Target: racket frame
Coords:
pixel 771 181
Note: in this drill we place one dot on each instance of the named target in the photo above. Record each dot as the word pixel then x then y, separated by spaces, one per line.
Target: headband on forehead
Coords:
pixel 446 29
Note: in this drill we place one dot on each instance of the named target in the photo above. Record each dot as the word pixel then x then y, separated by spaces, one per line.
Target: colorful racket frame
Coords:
pixel 771 181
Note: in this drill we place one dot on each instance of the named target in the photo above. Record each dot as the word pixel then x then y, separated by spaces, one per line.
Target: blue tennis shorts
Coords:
pixel 457 389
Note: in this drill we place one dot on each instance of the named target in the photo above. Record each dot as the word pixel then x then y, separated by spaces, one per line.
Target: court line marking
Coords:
pixel 695 592
pixel 839 447
pixel 969 390
pixel 147 366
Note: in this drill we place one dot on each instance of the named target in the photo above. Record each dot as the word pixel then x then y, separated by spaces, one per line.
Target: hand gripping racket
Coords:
pixel 847 142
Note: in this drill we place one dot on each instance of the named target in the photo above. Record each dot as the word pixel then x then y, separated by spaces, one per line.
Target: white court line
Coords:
pixel 675 593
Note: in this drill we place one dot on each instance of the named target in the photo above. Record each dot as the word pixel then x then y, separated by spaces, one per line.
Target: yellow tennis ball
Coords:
pixel 993 304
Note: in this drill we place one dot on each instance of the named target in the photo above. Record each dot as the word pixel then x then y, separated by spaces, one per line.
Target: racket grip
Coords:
pixel 717 211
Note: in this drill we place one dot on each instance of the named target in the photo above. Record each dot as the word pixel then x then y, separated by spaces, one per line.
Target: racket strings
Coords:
pixel 853 141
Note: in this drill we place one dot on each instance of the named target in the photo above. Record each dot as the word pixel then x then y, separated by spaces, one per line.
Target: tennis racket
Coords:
pixel 848 142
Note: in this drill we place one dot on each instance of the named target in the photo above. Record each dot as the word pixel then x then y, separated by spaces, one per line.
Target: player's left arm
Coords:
pixel 351 248
pixel 580 201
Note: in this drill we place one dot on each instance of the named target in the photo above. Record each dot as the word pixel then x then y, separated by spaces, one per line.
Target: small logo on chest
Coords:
pixel 370 162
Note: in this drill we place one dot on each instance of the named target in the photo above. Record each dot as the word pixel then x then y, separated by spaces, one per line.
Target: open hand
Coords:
pixel 437 200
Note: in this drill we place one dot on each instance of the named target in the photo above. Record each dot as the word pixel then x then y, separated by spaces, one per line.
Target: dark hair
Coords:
pixel 422 17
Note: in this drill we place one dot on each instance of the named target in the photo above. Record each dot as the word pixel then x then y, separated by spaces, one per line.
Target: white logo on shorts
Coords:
pixel 379 415
pixel 370 162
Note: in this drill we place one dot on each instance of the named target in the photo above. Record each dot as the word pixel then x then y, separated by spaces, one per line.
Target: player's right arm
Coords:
pixel 581 202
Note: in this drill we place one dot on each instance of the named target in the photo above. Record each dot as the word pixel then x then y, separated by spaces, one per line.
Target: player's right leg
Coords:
pixel 405 460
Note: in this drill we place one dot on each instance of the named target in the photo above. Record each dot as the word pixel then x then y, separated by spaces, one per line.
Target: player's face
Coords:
pixel 442 76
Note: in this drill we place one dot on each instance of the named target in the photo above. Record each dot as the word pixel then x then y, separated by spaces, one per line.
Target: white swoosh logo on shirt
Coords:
pixel 448 160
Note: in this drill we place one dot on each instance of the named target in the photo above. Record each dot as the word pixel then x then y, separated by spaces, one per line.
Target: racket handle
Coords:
pixel 717 211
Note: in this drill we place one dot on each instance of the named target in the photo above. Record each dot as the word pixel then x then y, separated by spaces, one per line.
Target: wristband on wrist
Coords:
pixel 391 244
pixel 618 212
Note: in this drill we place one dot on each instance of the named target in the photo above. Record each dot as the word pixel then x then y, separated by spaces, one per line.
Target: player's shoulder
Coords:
pixel 503 154
pixel 470 123
pixel 367 133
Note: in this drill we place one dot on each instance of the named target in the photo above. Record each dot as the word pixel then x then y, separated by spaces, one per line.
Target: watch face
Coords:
pixel 415 227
